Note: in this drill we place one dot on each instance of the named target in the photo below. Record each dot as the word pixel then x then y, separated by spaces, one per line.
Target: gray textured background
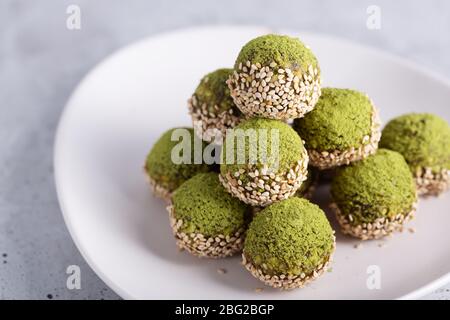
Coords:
pixel 41 62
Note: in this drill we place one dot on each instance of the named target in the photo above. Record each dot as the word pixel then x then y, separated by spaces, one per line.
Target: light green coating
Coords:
pixel 339 121
pixel 286 150
pixel 285 51
pixel 376 187
pixel 207 208
pixel 289 237
pixel 213 91
pixel 422 138
pixel 163 170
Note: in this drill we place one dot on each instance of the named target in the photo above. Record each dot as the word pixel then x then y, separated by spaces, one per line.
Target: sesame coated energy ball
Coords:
pixel 374 197
pixel 211 107
pixel 263 161
pixel 424 140
pixel 288 244
pixel 343 127
pixel 276 77
pixel 205 219
pixel 163 173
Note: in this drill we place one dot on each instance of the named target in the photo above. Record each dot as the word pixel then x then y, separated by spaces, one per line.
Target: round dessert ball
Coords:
pixel 374 197
pixel 263 161
pixel 163 173
pixel 206 220
pixel 343 127
pixel 424 140
pixel 275 77
pixel 212 108
pixel 288 244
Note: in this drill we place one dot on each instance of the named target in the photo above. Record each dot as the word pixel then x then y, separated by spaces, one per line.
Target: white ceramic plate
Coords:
pixel 122 107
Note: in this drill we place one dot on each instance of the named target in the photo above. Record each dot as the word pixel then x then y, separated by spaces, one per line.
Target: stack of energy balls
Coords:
pixel 259 206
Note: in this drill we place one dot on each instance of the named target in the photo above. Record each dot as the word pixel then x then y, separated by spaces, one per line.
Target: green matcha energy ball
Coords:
pixel 212 108
pixel 276 77
pixel 263 161
pixel 163 173
pixel 206 220
pixel 343 127
pixel 374 197
pixel 288 244
pixel 424 140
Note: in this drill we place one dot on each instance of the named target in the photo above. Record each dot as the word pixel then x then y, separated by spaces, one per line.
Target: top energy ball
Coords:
pixel 275 77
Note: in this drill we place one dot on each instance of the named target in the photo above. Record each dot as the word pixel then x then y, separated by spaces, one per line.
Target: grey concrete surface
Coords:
pixel 41 62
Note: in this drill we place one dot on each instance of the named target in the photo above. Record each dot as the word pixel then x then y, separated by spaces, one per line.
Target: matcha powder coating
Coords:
pixel 213 91
pixel 340 120
pixel 286 152
pixel 264 161
pixel 285 51
pixel 212 108
pixel 290 237
pixel 275 77
pixel 380 186
pixel 423 139
pixel 344 127
pixel 160 168
pixel 205 207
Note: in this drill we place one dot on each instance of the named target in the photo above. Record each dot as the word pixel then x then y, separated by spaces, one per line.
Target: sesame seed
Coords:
pixel 381 227
pixel 327 159
pixel 211 126
pixel 158 190
pixel 247 90
pixel 289 281
pixel 201 246
pixel 260 189
pixel 429 183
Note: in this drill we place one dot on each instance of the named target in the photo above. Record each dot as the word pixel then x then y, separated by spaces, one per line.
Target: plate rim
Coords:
pixel 58 136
